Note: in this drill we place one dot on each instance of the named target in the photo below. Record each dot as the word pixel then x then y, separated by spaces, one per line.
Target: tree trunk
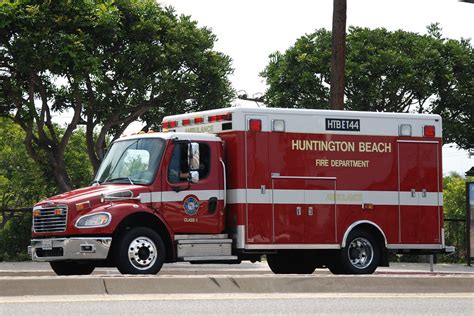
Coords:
pixel 338 54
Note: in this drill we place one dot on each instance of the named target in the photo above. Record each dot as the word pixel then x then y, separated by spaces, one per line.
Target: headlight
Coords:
pixel 94 220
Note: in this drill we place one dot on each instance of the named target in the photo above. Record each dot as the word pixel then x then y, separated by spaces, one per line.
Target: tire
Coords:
pixel 360 256
pixel 140 251
pixel 71 268
pixel 291 263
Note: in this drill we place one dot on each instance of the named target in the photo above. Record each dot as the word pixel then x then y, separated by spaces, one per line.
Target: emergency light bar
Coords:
pixel 197 120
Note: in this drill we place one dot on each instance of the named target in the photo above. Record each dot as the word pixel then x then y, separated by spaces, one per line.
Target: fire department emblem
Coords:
pixel 191 205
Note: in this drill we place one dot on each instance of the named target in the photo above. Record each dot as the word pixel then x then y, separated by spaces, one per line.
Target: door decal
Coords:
pixel 191 205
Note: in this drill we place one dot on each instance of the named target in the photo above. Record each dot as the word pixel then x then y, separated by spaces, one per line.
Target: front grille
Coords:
pixel 51 219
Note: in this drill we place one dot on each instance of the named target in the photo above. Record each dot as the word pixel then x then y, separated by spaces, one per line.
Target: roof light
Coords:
pixel 429 131
pixel 212 119
pixel 404 130
pixel 255 125
pixel 198 120
pixel 172 124
pixel 165 124
pixel 227 117
pixel 186 122
pixel 278 125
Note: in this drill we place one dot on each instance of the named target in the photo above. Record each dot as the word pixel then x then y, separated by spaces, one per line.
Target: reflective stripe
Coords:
pixel 171 196
pixel 342 197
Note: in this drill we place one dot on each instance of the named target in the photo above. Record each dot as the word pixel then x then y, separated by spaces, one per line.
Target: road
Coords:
pixel 238 304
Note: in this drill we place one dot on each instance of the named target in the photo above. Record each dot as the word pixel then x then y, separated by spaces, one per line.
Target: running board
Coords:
pixel 211 258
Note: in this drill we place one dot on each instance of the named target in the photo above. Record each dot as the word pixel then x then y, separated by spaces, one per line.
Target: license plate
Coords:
pixel 47 245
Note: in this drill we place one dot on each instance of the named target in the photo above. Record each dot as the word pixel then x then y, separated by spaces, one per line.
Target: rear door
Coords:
pixel 419 192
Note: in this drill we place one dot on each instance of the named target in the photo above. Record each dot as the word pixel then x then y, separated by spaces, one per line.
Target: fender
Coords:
pixel 351 227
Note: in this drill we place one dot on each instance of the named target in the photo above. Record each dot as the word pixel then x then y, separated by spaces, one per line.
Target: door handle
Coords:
pixel 211 207
pixel 310 211
pixel 298 211
pixel 413 193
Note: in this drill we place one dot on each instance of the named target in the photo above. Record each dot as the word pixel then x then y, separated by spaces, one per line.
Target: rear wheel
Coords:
pixel 291 263
pixel 71 268
pixel 360 256
pixel 140 251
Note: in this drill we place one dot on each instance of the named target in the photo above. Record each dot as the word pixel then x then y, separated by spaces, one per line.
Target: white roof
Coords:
pixel 172 135
pixel 292 111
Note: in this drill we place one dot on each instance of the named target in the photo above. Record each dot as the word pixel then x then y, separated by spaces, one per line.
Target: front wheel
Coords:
pixel 140 251
pixel 71 268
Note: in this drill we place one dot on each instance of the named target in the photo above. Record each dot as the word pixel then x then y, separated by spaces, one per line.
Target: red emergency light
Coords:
pixel 186 122
pixel 429 131
pixel 198 120
pixel 255 125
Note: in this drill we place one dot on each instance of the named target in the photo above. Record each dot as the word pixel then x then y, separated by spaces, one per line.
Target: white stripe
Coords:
pixel 342 197
pixel 171 196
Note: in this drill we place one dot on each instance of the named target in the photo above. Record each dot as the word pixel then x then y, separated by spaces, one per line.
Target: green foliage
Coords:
pixel 108 63
pixel 23 183
pixel 385 71
pixel 454 196
pixel 15 238
pixel 77 160
pixel 21 179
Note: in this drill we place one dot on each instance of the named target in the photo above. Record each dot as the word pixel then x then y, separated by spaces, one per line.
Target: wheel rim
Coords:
pixel 142 253
pixel 361 253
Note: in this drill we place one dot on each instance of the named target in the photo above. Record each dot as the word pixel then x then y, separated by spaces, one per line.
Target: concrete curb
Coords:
pixel 233 284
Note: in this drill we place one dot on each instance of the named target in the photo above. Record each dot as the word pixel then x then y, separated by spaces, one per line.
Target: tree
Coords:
pixel 106 63
pixel 385 71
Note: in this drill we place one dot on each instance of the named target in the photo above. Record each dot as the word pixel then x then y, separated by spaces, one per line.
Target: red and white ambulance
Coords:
pixel 306 188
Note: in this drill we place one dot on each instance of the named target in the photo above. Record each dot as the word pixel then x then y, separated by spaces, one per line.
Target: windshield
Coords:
pixel 131 161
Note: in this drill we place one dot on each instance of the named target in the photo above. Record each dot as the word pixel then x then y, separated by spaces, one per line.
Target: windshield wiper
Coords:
pixel 119 178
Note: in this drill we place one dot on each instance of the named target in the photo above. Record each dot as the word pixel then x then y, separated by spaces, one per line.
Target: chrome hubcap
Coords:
pixel 361 253
pixel 142 253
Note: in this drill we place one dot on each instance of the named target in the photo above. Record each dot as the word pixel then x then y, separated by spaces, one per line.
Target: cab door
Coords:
pixel 193 207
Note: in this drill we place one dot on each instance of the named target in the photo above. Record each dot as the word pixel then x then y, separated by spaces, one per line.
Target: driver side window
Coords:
pixel 178 170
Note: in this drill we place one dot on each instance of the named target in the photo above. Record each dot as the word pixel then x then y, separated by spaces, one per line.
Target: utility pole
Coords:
pixel 338 60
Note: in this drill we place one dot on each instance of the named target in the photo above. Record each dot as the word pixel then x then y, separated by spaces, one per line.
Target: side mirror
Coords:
pixel 193 157
pixel 194 176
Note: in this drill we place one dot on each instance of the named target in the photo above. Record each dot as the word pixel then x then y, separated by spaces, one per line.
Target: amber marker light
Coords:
pixel 83 206
pixel 36 213
pixel 367 206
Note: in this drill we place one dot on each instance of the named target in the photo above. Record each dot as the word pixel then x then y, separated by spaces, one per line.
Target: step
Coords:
pixel 211 258
pixel 204 241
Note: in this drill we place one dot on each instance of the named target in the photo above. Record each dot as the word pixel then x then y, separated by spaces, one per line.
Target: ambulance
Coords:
pixel 301 189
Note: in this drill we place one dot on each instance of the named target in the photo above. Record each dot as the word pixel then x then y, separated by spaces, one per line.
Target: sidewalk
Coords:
pixel 246 267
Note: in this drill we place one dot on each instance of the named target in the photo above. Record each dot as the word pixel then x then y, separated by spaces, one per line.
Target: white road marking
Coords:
pixel 224 296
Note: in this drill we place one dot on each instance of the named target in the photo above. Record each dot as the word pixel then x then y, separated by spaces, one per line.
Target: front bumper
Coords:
pixel 53 249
